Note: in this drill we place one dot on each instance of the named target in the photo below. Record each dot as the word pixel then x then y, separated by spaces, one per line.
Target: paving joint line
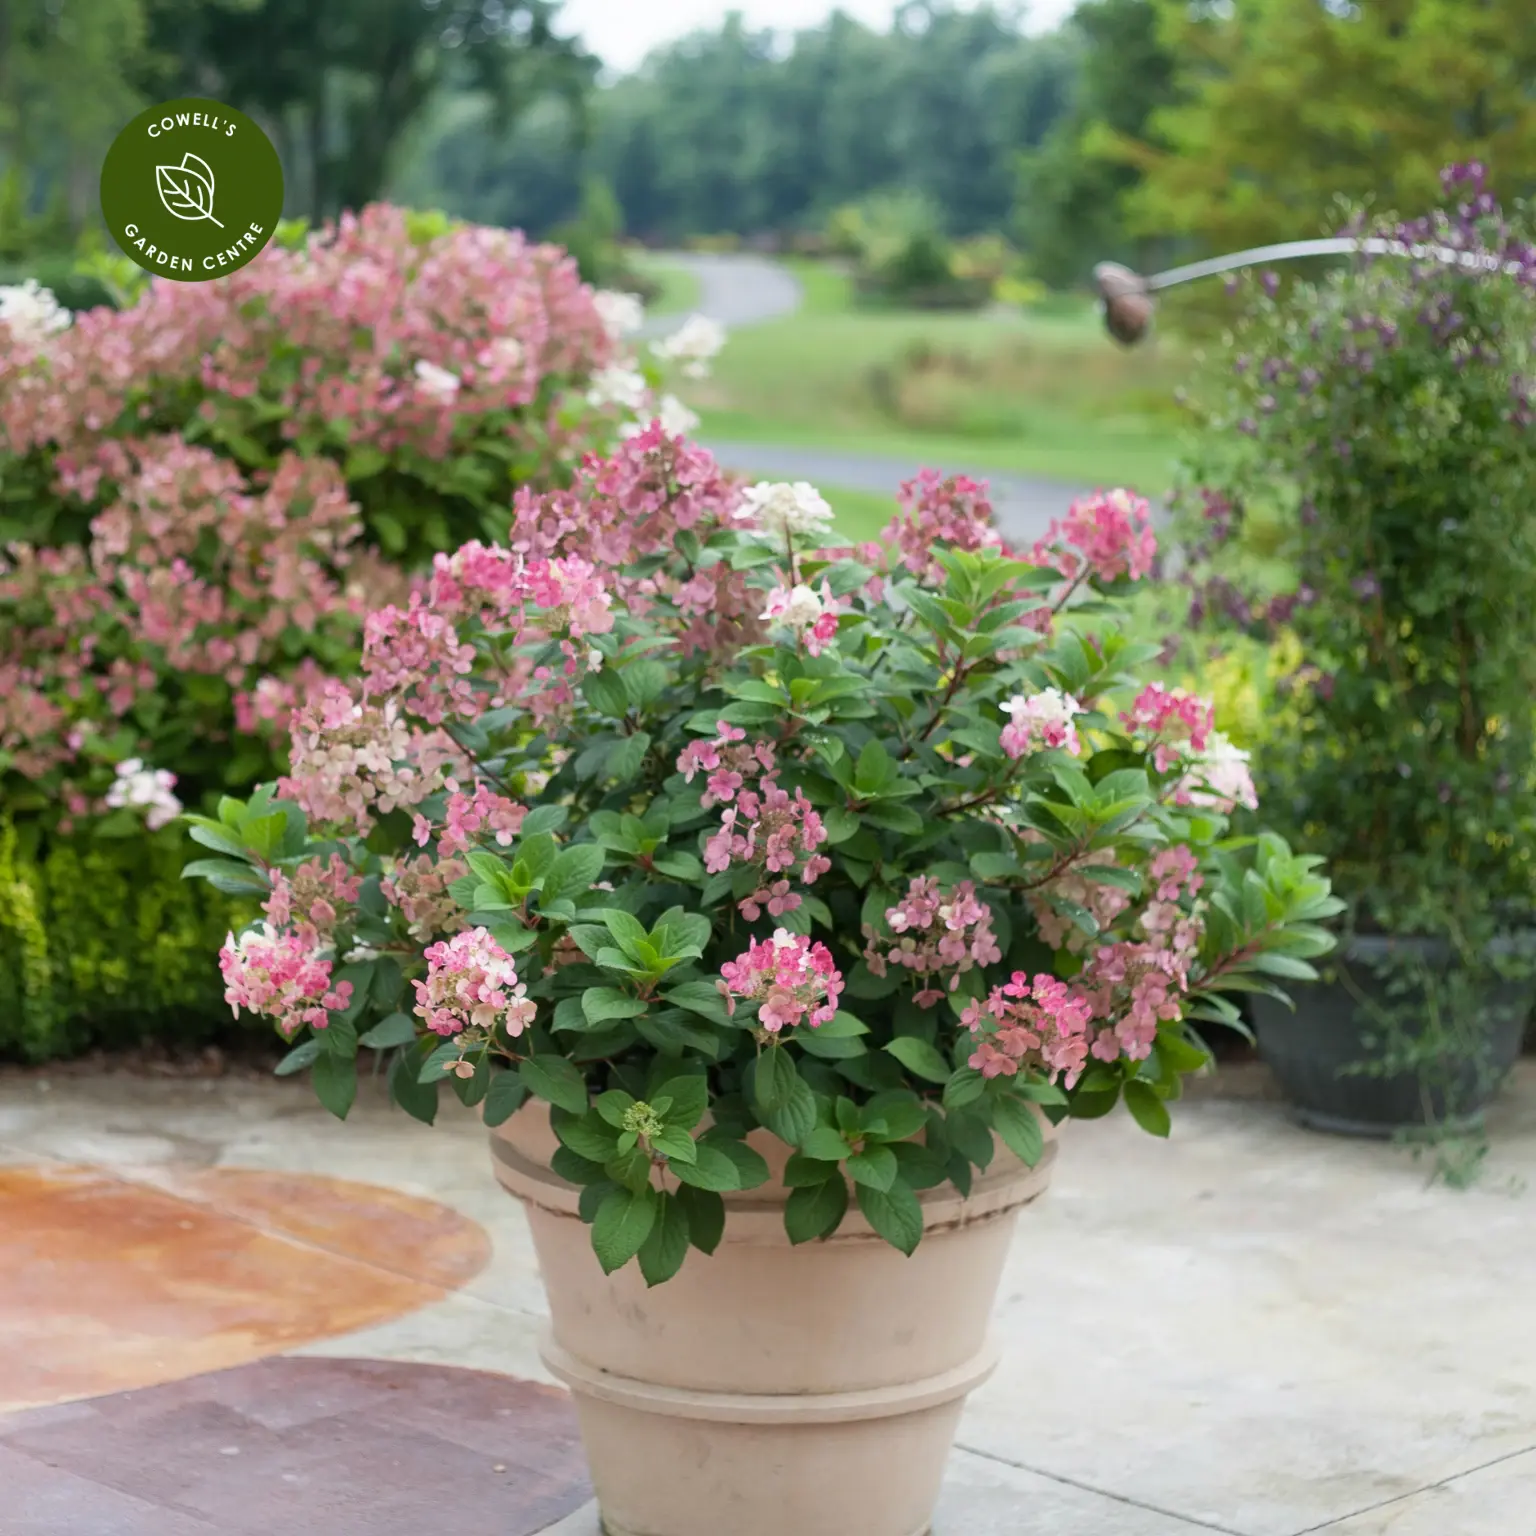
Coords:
pixel 1103 1493
pixel 1402 1498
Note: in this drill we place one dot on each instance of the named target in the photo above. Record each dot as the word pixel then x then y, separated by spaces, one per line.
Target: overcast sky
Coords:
pixel 622 32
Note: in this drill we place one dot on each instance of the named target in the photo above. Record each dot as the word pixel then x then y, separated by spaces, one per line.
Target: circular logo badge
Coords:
pixel 192 189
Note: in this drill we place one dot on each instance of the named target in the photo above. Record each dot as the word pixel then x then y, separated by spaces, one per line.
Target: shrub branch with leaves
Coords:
pixel 1372 446
pixel 889 853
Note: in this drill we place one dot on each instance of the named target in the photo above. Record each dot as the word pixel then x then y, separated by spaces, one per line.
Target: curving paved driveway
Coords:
pixel 741 289
pixel 736 289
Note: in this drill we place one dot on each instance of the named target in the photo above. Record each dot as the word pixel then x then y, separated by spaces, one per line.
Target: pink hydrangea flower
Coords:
pixel 283 976
pixel 465 817
pixel 1171 722
pixel 949 511
pixel 472 983
pixel 1107 535
pixel 1034 1024
pixel 939 937
pixel 1041 720
pixel 792 981
pixel 314 898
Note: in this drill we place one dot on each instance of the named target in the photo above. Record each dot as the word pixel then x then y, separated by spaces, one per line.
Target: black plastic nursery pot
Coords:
pixel 1309 1050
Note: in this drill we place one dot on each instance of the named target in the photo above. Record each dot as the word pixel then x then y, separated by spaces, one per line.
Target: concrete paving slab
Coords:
pixel 1250 1328
pixel 983 1498
pixel 1285 1327
pixel 1498 1500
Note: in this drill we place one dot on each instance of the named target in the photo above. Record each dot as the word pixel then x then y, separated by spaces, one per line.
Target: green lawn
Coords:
pixel 859 515
pixel 679 288
pixel 1041 393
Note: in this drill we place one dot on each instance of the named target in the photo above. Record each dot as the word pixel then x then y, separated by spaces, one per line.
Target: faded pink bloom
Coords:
pixel 472 983
pixel 939 937
pixel 939 511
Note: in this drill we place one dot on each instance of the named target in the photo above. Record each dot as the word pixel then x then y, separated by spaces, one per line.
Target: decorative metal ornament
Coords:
pixel 1127 295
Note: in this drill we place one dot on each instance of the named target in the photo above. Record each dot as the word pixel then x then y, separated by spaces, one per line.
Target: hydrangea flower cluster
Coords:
pixel 810 614
pixel 146 789
pixel 941 511
pixel 762 826
pixel 1218 778
pixel 772 829
pixel 31 314
pixel 466 817
pixel 788 511
pixel 1108 534
pixel 1113 1006
pixel 693 345
pixel 312 899
pixel 791 980
pixel 471 984
pixel 1171 722
pixel 1039 720
pixel 1030 1023
pixel 1076 886
pixel 939 936
pixel 278 973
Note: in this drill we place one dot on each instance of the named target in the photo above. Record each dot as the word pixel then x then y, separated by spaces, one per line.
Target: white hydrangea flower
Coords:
pixel 798 608
pixel 693 344
pixel 32 313
pixel 1219 777
pixel 145 789
pixel 622 314
pixel 675 418
pixel 780 508
pixel 618 386
pixel 1048 707
pixel 436 382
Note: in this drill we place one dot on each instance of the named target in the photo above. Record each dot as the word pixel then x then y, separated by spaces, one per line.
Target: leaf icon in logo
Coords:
pixel 186 190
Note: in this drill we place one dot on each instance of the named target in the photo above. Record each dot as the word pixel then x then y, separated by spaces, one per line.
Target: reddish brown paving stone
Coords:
pixel 112 1283
pixel 339 1447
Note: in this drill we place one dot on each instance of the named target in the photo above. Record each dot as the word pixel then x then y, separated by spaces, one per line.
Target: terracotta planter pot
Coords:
pixel 768 1388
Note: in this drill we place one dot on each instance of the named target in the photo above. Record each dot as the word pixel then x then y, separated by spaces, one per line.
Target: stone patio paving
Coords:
pixel 1250 1329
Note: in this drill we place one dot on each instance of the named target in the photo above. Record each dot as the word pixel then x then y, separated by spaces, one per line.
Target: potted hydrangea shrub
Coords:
pixel 1365 495
pixel 776 904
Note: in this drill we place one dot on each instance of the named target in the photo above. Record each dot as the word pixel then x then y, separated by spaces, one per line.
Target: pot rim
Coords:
pixel 996 1192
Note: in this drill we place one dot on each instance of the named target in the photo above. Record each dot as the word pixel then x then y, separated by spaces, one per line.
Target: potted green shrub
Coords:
pixel 1366 490
pixel 776 905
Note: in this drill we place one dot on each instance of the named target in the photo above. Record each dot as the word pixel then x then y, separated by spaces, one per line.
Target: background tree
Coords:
pixel 65 88
pixel 1072 189
pixel 739 130
pixel 341 84
pixel 1285 106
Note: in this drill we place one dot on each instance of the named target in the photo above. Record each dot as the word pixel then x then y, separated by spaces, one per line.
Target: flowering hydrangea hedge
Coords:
pixel 692 829
pixel 205 491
